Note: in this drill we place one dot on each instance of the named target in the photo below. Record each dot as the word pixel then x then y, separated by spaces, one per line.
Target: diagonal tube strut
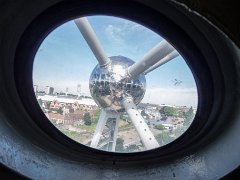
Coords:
pixel 104 116
pixel 164 60
pixel 92 41
pixel 139 123
pixel 161 50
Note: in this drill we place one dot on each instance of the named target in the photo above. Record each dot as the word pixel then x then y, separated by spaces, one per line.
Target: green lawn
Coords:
pixel 89 129
pixel 122 123
pixel 71 134
pixel 92 127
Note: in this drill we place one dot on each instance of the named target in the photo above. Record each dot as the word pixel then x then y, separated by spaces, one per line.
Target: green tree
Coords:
pixel 119 145
pixel 47 105
pixel 96 115
pixel 161 111
pixel 132 148
pixel 168 111
pixel 188 117
pixel 143 113
pixel 179 131
pixel 87 119
pixel 60 111
pixel 164 138
pixel 159 127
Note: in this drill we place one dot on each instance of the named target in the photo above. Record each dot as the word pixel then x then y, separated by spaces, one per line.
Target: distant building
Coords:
pixel 49 90
pixel 64 100
pixel 79 90
pixel 66 92
pixel 67 119
pixel 68 109
pixel 72 118
pixel 57 118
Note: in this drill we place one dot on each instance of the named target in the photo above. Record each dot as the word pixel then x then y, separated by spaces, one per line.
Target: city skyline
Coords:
pixel 147 98
pixel 70 61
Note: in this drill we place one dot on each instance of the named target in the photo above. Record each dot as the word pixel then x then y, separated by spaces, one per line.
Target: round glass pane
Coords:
pixel 114 85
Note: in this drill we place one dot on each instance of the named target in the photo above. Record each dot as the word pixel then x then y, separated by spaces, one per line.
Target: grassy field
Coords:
pixel 71 134
pixel 88 129
pixel 92 127
pixel 81 138
pixel 122 123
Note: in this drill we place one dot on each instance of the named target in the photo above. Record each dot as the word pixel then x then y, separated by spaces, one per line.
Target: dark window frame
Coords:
pixel 60 13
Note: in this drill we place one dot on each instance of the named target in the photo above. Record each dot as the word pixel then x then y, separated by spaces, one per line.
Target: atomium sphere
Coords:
pixel 109 85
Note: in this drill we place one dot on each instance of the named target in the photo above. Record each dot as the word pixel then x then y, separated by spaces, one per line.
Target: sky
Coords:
pixel 64 60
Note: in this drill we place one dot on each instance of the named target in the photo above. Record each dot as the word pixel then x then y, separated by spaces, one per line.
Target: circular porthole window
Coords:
pixel 114 85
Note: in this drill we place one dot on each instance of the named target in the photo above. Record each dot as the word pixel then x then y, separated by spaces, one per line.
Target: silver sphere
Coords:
pixel 109 85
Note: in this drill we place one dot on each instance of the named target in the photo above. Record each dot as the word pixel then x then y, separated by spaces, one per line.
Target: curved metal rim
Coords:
pixel 62 12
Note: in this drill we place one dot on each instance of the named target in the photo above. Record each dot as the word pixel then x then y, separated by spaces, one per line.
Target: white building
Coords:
pixel 89 102
pixel 49 90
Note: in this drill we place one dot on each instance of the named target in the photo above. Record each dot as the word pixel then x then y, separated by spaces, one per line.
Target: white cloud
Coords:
pixel 115 33
pixel 118 32
pixel 132 27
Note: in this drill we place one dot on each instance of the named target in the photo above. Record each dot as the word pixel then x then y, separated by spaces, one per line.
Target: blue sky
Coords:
pixel 65 60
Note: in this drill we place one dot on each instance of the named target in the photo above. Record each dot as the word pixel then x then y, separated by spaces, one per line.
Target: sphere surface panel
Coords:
pixel 109 85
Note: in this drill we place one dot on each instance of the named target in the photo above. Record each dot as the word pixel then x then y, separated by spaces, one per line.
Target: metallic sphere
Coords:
pixel 108 85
